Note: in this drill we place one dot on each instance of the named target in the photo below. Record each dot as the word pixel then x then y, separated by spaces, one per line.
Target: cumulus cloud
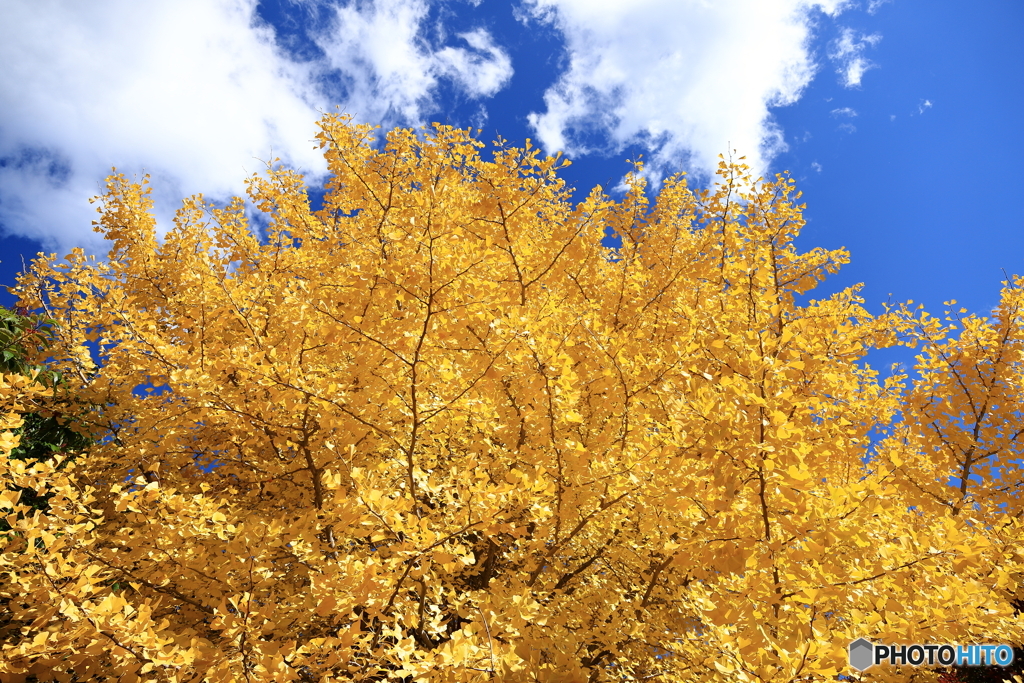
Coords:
pixel 189 91
pixel 196 93
pixel 848 54
pixel 690 79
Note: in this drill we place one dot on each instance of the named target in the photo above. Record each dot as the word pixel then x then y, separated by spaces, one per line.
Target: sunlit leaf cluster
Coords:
pixel 436 431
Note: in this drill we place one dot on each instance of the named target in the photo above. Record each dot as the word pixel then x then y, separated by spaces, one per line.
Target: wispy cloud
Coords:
pixel 848 54
pixel 924 106
pixel 686 78
pixel 482 70
pixel 875 5
pixel 390 72
pixel 843 111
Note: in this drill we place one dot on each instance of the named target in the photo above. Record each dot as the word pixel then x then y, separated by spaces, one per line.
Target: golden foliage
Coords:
pixel 436 431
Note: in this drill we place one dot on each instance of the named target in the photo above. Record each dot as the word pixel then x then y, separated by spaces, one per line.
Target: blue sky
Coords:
pixel 899 119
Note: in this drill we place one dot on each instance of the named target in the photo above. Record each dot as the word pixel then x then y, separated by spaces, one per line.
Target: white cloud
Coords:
pixel 816 166
pixel 195 92
pixel 391 72
pixel 189 91
pixel 690 79
pixel 479 118
pixel 875 5
pixel 483 71
pixel 843 111
pixel 924 106
pixel 848 54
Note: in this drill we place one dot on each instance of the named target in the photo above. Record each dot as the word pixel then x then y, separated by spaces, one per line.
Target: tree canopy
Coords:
pixel 436 431
pixel 49 422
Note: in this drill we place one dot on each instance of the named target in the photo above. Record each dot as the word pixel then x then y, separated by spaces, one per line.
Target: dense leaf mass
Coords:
pixel 43 428
pixel 435 431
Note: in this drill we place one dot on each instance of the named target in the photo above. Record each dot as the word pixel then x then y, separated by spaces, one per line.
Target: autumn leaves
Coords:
pixel 457 439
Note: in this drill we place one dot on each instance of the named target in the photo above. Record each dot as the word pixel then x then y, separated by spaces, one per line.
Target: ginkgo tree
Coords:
pixel 435 431
pixel 44 427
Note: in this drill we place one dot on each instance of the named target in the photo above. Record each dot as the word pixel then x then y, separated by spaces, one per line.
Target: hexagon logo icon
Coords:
pixel 862 654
